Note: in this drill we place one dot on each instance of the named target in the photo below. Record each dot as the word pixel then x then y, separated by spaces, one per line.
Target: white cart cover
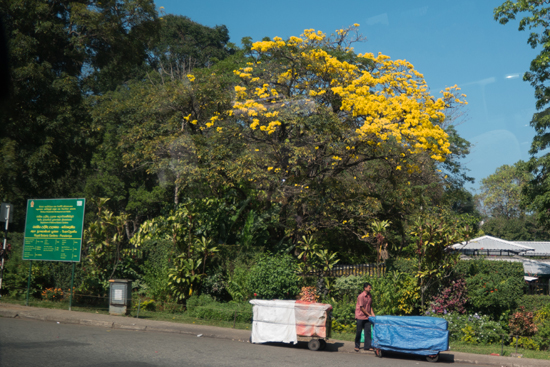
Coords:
pixel 284 320
pixel 311 318
pixel 273 321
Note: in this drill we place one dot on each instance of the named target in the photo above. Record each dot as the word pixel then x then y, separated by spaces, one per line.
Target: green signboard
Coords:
pixel 53 229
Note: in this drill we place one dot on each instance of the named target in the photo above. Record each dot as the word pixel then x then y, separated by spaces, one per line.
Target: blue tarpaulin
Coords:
pixel 421 335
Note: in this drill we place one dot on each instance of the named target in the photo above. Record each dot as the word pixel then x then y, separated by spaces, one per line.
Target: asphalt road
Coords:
pixel 28 343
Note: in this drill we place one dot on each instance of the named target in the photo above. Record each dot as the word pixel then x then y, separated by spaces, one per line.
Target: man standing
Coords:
pixel 363 309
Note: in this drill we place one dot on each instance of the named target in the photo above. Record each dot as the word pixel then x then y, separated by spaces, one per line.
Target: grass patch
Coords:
pixel 496 348
pixel 471 348
pixel 169 315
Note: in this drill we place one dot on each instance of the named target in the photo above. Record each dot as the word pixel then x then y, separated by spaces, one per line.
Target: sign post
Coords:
pixel 6 214
pixel 53 231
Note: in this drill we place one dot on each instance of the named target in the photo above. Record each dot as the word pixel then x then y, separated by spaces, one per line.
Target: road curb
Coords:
pixel 106 324
pixel 8 313
pixel 129 327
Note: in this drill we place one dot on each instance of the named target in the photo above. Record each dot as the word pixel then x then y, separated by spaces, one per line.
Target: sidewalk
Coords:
pixel 128 323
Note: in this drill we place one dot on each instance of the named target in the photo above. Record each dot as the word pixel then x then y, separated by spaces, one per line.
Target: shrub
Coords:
pixel 148 305
pixel 403 265
pixel 309 294
pixel 394 294
pixel 52 294
pixel 348 287
pixel 473 329
pixel 533 302
pixel 451 299
pixel 343 317
pixel 215 286
pixel 275 277
pixel 522 323
pixel 204 307
pixel 525 342
pixel 494 287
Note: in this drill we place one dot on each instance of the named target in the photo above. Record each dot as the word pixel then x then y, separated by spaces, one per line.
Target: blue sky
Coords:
pixel 450 42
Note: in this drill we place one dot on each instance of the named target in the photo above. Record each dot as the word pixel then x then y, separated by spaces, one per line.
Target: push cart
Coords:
pixel 420 335
pixel 290 321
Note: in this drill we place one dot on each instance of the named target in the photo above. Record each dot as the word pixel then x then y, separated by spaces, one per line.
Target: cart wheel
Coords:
pixel 323 344
pixel 378 352
pixel 314 344
pixel 432 358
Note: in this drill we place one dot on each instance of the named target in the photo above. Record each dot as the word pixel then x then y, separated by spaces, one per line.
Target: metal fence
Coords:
pixel 542 287
pixel 372 270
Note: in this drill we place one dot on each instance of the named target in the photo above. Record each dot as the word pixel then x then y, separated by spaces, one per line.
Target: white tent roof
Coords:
pixel 540 247
pixel 492 243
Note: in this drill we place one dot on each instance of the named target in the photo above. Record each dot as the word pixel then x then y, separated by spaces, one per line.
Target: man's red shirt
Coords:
pixel 363 300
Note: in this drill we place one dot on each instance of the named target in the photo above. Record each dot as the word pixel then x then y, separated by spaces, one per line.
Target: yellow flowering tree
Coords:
pixel 324 139
pixel 318 122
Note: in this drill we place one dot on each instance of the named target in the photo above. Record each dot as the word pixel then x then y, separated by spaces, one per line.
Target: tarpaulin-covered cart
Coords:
pixel 421 335
pixel 291 321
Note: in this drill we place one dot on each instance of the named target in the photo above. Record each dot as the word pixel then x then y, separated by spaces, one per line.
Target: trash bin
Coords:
pixel 120 296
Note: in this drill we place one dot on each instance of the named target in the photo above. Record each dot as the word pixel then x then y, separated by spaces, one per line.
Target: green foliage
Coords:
pixel 403 265
pixel 524 228
pixel 525 342
pixel 147 305
pixel 432 234
pixel 500 193
pixel 204 307
pixel 494 287
pixel 542 321
pixel 184 277
pixel 473 328
pixel 215 286
pixel 536 20
pixel 394 294
pixel 104 251
pixel 275 276
pixel 348 288
pixel 533 302
pixel 16 270
pixel 60 51
pixel 237 281
pixel 343 316
pixel 184 45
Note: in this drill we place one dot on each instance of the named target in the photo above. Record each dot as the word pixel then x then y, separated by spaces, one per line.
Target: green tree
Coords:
pixel 60 50
pixel 501 193
pixel 184 45
pixel 536 20
pixel 276 126
pixel 524 228
pixel 433 233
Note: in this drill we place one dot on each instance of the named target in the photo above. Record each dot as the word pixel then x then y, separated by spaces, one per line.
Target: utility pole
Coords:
pixel 6 214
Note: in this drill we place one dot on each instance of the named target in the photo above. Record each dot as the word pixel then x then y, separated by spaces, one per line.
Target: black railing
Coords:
pixel 358 269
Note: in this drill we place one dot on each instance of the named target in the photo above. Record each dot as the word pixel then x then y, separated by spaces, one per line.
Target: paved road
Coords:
pixel 28 343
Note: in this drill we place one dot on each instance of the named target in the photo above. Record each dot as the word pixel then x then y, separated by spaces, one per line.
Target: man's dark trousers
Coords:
pixel 363 325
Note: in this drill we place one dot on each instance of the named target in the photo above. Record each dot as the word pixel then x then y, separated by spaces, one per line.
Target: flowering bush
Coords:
pixel 494 287
pixel 451 299
pixel 309 294
pixel 343 317
pixel 522 323
pixel 343 328
pixel 52 294
pixel 526 342
pixel 474 329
